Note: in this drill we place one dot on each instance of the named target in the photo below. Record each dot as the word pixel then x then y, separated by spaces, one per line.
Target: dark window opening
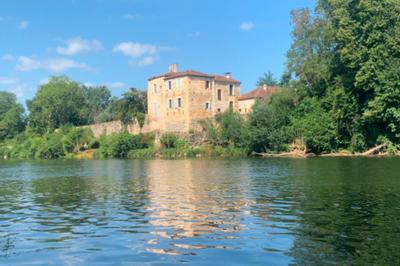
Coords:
pixel 170 103
pixel 219 95
pixel 231 105
pixel 219 110
pixel 207 84
pixel 179 102
pixel 230 89
pixel 170 85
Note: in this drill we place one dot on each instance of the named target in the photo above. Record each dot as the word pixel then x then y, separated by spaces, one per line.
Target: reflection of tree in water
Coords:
pixel 346 214
pixel 11 205
pixel 190 198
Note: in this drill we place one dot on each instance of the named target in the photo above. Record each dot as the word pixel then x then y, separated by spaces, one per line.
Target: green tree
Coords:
pixel 12 119
pixel 98 100
pixel 133 104
pixel 267 79
pixel 269 123
pixel 59 102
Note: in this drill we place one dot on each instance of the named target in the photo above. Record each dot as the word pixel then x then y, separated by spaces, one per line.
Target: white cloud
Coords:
pixel 146 61
pixel 135 49
pixel 130 16
pixel 53 65
pixel 23 25
pixel 246 26
pixel 115 85
pixel 111 85
pixel 141 54
pixel 8 80
pixel 78 45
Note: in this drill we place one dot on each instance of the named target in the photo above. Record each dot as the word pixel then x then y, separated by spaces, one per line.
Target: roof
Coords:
pixel 171 75
pixel 260 93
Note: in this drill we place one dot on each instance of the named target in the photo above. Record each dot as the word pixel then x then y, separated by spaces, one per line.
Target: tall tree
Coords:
pixel 267 79
pixel 12 119
pixel 61 101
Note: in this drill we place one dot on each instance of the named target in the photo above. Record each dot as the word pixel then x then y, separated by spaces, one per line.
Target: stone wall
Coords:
pixel 112 127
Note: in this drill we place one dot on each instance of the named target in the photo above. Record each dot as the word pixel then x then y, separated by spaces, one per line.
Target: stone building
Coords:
pixel 178 100
pixel 247 100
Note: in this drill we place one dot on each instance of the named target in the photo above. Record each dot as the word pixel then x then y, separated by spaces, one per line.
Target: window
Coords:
pixel 155 88
pixel 230 89
pixel 178 83
pixel 207 84
pixel 219 96
pixel 240 110
pixel 231 105
pixel 170 85
pixel 219 110
pixel 207 105
pixel 179 102
pixel 170 103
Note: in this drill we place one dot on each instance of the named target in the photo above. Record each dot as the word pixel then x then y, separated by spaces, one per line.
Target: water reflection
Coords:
pixel 188 199
pixel 277 211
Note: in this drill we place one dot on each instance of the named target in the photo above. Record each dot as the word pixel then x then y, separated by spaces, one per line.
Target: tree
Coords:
pixel 97 99
pixel 12 119
pixel 269 123
pixel 346 55
pixel 59 102
pixel 133 104
pixel 267 79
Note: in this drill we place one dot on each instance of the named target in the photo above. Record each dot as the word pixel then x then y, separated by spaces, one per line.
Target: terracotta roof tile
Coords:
pixel 171 75
pixel 260 93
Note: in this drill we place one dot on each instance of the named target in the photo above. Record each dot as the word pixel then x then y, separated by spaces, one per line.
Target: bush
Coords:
pixel 169 140
pixel 52 148
pixel 147 153
pixel 77 139
pixel 270 123
pixel 357 143
pixel 315 126
pixel 118 145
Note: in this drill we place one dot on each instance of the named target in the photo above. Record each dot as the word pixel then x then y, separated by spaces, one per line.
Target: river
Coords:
pixel 202 211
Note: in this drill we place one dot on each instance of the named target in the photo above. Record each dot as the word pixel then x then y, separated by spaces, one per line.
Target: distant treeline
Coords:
pixel 342 80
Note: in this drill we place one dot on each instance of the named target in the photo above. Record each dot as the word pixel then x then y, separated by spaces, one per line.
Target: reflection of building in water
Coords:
pixel 194 197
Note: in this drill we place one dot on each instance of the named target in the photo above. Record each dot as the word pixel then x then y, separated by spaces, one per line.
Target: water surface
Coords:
pixel 247 211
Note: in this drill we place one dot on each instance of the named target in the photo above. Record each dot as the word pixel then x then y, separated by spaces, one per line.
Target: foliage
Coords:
pixel 59 102
pixel 346 55
pixel 133 104
pixel 315 126
pixel 97 100
pixel 12 119
pixel 267 79
pixel 120 144
pixel 229 128
pixel 169 140
pixel 269 123
pixel 77 139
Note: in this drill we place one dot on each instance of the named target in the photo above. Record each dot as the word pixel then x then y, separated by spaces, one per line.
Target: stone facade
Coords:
pixel 177 101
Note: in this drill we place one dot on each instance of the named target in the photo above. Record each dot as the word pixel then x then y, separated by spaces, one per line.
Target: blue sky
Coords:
pixel 121 43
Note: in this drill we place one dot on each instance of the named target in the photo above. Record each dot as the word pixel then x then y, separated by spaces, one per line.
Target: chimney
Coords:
pixel 228 75
pixel 173 68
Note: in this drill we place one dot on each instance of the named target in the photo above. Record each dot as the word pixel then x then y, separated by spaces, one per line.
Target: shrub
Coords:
pixel 169 140
pixel 357 143
pixel 146 153
pixel 118 145
pixel 77 139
